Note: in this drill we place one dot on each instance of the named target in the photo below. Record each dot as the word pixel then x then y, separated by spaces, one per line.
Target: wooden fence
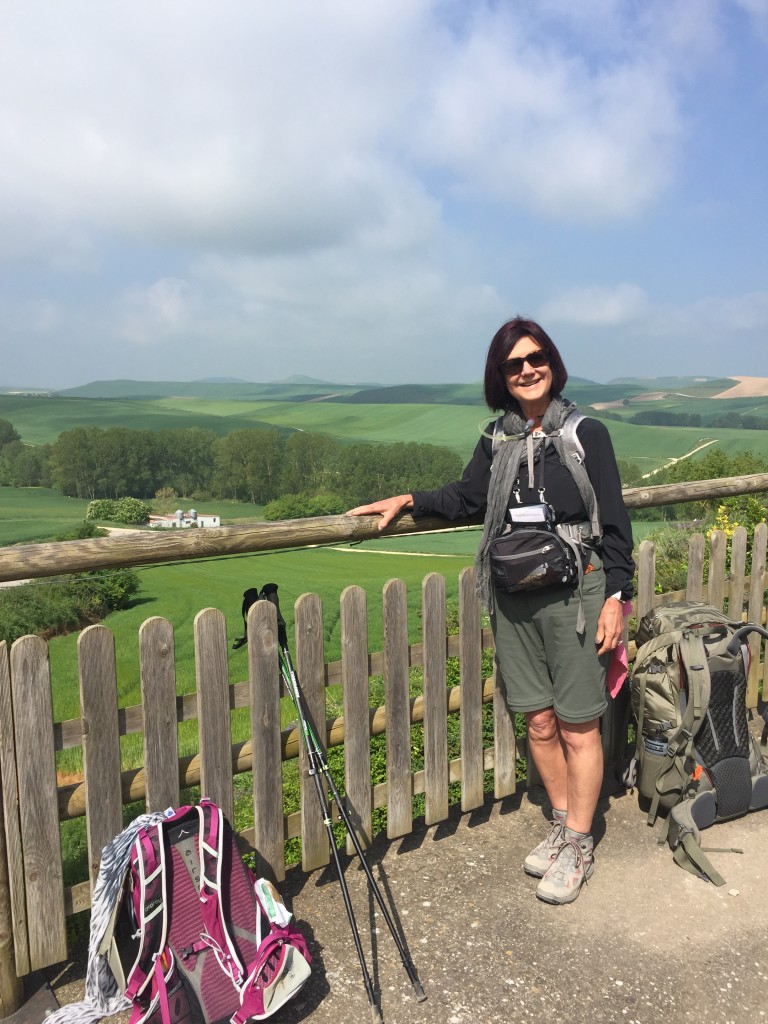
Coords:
pixel 34 805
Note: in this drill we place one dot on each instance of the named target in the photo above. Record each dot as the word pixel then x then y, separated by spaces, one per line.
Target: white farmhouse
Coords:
pixel 183 520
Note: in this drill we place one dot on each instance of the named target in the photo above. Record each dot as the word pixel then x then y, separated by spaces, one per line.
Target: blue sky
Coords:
pixel 366 191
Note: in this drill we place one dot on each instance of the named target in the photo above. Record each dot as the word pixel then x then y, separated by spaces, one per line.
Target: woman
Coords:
pixel 553 668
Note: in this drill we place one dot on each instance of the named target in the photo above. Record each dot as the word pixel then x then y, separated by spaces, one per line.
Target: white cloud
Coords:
pixel 154 313
pixel 598 305
pixel 344 180
pixel 587 135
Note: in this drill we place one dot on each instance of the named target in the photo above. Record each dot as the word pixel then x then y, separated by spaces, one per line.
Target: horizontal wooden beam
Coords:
pixel 152 547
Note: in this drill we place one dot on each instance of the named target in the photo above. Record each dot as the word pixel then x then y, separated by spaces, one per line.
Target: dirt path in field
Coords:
pixel 385 551
pixel 680 458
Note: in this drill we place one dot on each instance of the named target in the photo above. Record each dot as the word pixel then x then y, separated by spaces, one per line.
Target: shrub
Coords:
pixel 131 510
pixel 122 510
pixel 65 603
pixel 101 508
pixel 304 506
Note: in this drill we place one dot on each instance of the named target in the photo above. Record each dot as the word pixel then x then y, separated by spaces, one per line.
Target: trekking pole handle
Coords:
pixel 269 593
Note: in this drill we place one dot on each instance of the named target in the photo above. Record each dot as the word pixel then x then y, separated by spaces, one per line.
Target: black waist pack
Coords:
pixel 530 558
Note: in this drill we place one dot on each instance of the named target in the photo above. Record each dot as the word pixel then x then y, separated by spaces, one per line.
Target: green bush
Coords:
pixel 83 532
pixel 65 603
pixel 304 506
pixel 101 508
pixel 122 510
pixel 131 510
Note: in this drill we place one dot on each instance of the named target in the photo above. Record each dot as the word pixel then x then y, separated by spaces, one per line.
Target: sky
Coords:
pixel 365 191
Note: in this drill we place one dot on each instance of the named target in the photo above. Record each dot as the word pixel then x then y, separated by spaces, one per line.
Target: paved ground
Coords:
pixel 644 942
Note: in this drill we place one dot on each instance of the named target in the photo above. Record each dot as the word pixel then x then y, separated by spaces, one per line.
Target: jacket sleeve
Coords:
pixel 600 463
pixel 461 498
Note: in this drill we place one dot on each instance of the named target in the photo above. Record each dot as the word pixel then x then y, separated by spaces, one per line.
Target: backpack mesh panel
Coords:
pixel 724 731
pixel 733 783
pixel 723 743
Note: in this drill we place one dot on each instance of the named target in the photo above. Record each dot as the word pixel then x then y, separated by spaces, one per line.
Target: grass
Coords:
pixel 30 514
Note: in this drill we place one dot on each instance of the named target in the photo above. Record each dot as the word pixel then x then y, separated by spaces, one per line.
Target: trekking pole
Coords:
pixel 319 769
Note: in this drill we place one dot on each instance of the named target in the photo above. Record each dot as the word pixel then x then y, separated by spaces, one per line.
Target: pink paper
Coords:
pixel 617 670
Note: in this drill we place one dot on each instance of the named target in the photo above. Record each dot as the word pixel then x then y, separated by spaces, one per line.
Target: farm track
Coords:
pixel 680 458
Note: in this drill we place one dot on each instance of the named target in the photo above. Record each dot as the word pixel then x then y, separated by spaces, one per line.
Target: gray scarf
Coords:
pixel 517 449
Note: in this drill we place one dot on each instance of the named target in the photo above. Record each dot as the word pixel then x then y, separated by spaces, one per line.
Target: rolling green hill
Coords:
pixel 296 389
pixel 450 415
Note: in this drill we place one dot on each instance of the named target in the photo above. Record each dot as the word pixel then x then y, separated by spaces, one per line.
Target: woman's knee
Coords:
pixel 580 736
pixel 541 725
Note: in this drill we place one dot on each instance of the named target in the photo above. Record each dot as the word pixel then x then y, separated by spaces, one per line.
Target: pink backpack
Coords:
pixel 195 938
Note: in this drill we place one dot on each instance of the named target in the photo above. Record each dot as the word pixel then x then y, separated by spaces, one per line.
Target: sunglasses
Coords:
pixel 513 367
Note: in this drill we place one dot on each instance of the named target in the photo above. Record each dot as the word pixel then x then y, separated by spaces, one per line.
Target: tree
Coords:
pixel 307 463
pixel 8 433
pixel 249 464
pixel 186 459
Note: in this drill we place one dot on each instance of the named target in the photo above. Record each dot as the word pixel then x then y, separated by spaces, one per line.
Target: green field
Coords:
pixel 29 514
pixel 34 514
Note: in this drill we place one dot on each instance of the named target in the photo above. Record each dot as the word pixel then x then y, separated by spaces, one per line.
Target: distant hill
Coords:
pixel 416 394
pixel 295 390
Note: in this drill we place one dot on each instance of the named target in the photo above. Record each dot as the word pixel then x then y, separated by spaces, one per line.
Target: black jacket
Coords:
pixel 468 497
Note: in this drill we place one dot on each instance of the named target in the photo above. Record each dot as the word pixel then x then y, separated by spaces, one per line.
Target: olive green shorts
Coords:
pixel 543 661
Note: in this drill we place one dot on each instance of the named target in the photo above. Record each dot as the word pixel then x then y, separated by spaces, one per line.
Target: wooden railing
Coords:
pixel 34 903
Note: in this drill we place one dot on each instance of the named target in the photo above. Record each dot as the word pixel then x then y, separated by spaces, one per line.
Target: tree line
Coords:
pixel 665 418
pixel 255 465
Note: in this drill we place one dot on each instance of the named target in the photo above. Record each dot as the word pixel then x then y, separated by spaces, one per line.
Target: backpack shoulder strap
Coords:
pixel 573 445
pixel 683 836
pixel 211 846
pixel 675 775
pixel 498 435
pixel 574 449
pixel 149 903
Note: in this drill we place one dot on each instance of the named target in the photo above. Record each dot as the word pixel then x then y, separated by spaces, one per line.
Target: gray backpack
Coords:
pixel 694 755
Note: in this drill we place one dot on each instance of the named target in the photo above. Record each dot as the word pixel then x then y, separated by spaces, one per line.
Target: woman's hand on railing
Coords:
pixel 387 508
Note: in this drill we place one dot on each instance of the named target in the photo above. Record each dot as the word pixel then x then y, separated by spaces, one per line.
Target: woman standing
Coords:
pixel 553 645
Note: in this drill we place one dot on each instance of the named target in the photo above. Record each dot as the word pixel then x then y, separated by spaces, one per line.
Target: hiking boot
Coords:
pixel 538 861
pixel 572 866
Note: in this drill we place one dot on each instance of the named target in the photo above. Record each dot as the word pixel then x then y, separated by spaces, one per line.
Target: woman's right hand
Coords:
pixel 387 508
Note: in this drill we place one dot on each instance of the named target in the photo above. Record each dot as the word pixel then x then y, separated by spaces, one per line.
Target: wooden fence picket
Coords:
pixel 435 700
pixel 214 725
pixel 471 667
pixel 264 676
pixel 694 587
pixel 738 568
pixel 755 610
pixel 38 806
pixel 718 551
pixel 158 702
pixel 357 738
pixel 10 820
pixel 310 670
pixel 397 703
pixel 646 578
pixel 504 741
pixel 101 740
